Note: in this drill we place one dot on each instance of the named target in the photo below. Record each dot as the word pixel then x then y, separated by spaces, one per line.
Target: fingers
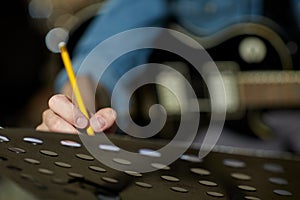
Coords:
pixel 42 127
pixel 104 119
pixel 54 123
pixel 64 116
pixel 64 108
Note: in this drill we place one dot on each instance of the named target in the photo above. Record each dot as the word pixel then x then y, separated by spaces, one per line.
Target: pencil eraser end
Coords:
pixel 61 44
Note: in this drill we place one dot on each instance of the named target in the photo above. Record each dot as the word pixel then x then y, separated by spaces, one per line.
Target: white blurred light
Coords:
pixel 40 9
pixel 252 50
pixel 54 37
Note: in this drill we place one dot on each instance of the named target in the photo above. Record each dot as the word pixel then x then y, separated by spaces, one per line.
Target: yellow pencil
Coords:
pixel 68 66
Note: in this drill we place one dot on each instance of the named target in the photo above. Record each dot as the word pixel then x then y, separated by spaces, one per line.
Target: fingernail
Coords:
pixel 97 123
pixel 81 122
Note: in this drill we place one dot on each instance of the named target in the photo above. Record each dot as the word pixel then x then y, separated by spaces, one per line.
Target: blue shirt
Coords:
pixel 202 17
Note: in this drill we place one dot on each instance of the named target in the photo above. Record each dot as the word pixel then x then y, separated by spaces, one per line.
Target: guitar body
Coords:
pixel 259 59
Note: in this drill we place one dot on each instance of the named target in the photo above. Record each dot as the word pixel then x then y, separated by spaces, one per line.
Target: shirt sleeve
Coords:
pixel 114 17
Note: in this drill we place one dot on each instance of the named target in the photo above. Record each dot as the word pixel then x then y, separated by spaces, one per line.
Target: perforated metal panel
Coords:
pixel 58 166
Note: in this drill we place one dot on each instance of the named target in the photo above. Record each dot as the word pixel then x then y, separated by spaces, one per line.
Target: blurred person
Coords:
pixel 199 16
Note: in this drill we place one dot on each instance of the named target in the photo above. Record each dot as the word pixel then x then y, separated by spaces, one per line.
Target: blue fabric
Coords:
pixel 115 17
pixel 205 17
pixel 200 16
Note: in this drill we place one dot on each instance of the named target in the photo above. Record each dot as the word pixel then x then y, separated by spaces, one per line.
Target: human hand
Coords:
pixel 63 116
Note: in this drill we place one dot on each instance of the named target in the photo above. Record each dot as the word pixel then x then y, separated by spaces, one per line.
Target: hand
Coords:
pixel 63 116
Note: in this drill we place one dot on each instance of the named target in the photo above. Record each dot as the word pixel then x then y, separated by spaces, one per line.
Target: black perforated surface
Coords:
pixel 48 167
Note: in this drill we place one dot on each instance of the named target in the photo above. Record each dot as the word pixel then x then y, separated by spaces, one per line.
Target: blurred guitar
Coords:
pixel 256 60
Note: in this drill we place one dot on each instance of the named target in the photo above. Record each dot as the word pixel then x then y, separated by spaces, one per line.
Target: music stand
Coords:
pixel 58 166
